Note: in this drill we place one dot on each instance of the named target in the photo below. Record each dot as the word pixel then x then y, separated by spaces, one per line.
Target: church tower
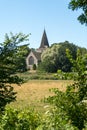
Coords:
pixel 34 56
pixel 44 41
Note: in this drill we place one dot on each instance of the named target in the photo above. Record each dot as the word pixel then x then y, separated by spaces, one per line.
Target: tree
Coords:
pixel 23 51
pixel 55 58
pixel 47 65
pixel 71 105
pixel 80 4
pixel 63 62
pixel 10 54
pixel 48 58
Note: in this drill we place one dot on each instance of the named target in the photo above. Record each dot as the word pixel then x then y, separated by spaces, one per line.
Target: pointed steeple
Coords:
pixel 44 40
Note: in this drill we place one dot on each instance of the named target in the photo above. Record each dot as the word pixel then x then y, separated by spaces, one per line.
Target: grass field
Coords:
pixel 32 93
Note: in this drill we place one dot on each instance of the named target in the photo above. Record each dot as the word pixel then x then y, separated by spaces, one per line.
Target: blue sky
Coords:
pixel 32 16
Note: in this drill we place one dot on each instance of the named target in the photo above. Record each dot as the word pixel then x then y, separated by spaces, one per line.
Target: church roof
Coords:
pixel 44 40
pixel 37 55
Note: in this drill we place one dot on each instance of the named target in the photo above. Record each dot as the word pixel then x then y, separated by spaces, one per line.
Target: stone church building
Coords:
pixel 34 56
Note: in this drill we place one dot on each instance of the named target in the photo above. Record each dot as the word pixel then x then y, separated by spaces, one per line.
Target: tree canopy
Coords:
pixel 80 4
pixel 55 58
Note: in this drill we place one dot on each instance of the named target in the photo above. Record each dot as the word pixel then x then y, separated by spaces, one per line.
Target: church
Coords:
pixel 34 57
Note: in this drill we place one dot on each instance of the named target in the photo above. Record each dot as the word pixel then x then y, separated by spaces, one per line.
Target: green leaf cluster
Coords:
pixel 11 51
pixel 13 119
pixel 54 58
pixel 82 5
pixel 72 104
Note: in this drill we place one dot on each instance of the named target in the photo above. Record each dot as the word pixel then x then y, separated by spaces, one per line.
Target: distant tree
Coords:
pixel 63 62
pixel 47 65
pixel 48 59
pixel 55 58
pixel 83 50
pixel 82 5
pixel 10 54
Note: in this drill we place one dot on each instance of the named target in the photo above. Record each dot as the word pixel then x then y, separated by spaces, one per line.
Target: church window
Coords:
pixel 31 60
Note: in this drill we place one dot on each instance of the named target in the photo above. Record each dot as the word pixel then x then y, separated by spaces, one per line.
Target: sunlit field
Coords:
pixel 32 93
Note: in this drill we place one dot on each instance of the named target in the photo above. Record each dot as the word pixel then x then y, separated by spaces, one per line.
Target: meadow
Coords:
pixel 32 93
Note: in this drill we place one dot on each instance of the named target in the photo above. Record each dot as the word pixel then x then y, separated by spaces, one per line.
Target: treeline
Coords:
pixel 55 58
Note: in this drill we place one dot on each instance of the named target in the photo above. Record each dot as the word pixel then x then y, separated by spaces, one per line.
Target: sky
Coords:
pixel 32 16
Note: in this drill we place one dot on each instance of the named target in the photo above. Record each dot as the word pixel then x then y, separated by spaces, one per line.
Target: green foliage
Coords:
pixel 13 119
pixel 7 95
pixel 54 120
pixel 10 55
pixel 38 76
pixel 34 67
pixel 54 58
pixel 47 65
pixel 64 75
pixel 80 4
pixel 48 59
pixel 72 104
pixel 63 62
pixel 22 52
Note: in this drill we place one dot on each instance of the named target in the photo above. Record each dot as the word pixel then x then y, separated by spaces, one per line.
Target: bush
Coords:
pixel 34 67
pixel 13 119
pixel 60 75
pixel 71 105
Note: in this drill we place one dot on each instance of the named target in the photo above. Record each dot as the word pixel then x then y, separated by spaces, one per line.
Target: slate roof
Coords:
pixel 44 40
pixel 37 55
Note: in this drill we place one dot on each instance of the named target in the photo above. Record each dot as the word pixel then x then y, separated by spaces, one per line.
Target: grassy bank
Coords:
pixel 34 75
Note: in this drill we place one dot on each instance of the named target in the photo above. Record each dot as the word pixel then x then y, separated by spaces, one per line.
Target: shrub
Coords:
pixel 34 67
pixel 71 106
pixel 13 119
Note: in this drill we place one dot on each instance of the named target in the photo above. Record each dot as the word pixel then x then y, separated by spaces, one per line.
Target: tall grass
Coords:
pixel 32 93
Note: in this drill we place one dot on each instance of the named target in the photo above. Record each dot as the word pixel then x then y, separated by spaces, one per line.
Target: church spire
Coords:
pixel 44 40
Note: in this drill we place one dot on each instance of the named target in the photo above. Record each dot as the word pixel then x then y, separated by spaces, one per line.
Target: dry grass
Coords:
pixel 31 93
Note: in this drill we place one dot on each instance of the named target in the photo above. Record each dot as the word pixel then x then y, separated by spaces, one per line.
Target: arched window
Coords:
pixel 31 60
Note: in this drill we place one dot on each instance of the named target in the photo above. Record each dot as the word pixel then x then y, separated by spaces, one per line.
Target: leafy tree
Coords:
pixel 72 104
pixel 80 4
pixel 10 54
pixel 63 62
pixel 23 51
pixel 47 65
pixel 55 58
